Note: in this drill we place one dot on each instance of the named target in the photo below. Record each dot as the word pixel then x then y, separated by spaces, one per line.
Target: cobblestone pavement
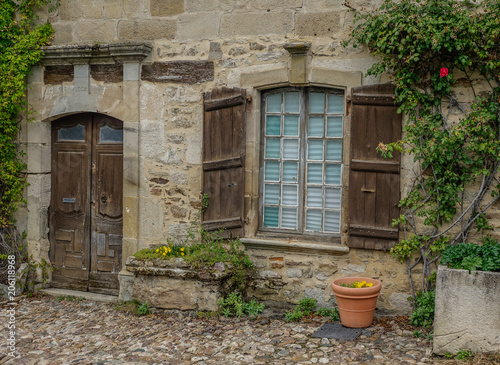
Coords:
pixel 87 332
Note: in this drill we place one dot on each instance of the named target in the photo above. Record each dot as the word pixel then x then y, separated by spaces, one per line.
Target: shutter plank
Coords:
pixel 373 180
pixel 224 160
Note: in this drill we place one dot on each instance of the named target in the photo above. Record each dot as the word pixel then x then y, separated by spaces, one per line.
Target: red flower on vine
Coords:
pixel 443 72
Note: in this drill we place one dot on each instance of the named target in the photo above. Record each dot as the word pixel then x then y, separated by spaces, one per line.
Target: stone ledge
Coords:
pixel 295 246
pixel 175 268
pixel 96 54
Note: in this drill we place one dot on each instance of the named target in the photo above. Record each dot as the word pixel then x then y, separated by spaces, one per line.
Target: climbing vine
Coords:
pixel 21 39
pixel 444 58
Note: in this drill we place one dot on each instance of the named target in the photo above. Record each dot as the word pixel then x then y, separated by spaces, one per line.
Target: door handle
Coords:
pixel 365 190
pixel 104 198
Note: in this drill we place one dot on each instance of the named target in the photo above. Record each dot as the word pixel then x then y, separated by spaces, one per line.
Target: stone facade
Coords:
pixel 148 64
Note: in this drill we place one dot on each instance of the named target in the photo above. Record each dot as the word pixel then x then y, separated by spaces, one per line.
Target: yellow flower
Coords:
pixel 369 285
pixel 182 248
pixel 164 254
pixel 157 250
pixel 182 253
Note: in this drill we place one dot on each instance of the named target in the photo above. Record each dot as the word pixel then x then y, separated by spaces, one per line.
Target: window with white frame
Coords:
pixel 301 181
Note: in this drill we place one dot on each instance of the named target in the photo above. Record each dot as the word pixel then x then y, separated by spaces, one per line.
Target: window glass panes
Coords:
pixel 273 103
pixel 314 197
pixel 290 195
pixel 316 126
pixel 332 198
pixel 332 221
pixel 289 217
pixel 76 133
pixel 316 103
pixel 302 130
pixel 273 125
pixel 333 174
pixel 271 216
pixel 314 173
pixel 272 171
pixel 291 149
pixel 290 171
pixel 315 149
pixel 335 104
pixel 291 125
pixel 292 102
pixel 271 194
pixel 110 135
pixel 334 127
pixel 314 220
pixel 272 148
pixel 334 150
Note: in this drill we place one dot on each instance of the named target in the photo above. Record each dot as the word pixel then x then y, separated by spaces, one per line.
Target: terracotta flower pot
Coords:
pixel 356 305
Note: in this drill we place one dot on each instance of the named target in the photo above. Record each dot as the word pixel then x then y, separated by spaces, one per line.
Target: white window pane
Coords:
pixel 334 150
pixel 316 103
pixel 289 217
pixel 314 197
pixel 291 149
pixel 333 198
pixel 290 195
pixel 335 104
pixel 272 148
pixel 271 194
pixel 316 126
pixel 333 174
pixel 314 173
pixel 271 216
pixel 110 135
pixel 334 127
pixel 291 125
pixel 272 171
pixel 76 133
pixel 315 150
pixel 273 103
pixel 292 102
pixel 332 221
pixel 314 220
pixel 290 171
pixel 273 125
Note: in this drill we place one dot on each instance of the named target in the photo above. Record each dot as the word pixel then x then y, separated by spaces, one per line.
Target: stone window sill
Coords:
pixel 295 246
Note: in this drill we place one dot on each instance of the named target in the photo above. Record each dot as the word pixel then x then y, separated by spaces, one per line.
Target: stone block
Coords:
pixel 38 132
pixel 146 29
pixel 107 73
pixel 193 152
pixel 254 24
pixel 113 9
pixel 278 4
pixel 54 75
pixel 38 158
pixel 261 76
pixel 150 219
pixel 133 8
pixel 198 26
pixel 70 10
pixel 63 34
pixel 90 31
pixel 201 5
pixel 467 311
pixel 315 5
pixel 152 138
pixel 184 72
pixel 317 24
pixel 166 7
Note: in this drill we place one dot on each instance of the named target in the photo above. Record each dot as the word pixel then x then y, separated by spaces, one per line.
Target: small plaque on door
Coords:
pixel 69 200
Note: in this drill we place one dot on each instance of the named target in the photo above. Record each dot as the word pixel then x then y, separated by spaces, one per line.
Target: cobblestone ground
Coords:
pixel 51 331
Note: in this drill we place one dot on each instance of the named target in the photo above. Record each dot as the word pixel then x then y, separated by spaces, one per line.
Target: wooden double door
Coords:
pixel 86 202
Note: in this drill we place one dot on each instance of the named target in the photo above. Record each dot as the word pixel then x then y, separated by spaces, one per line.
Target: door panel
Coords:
pixel 86 202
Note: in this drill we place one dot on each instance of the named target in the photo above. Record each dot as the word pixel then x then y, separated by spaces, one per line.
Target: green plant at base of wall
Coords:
pixel 430 48
pixel 21 39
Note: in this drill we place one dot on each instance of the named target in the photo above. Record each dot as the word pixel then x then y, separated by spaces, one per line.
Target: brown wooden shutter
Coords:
pixel 224 160
pixel 373 181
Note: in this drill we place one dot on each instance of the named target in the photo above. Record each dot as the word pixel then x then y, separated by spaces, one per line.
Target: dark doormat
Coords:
pixel 337 332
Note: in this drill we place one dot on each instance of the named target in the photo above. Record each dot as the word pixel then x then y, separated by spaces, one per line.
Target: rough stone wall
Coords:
pixel 199 45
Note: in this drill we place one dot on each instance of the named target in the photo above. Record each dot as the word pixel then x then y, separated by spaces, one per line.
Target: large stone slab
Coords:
pixel 467 314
